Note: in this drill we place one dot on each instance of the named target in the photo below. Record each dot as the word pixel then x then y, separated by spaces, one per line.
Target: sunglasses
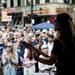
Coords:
pixel 45 48
pixel 8 46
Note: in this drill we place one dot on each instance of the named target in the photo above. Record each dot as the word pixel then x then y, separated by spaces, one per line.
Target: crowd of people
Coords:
pixel 14 52
pixel 50 51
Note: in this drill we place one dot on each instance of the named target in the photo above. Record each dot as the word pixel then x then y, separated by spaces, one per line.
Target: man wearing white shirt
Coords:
pixel 50 44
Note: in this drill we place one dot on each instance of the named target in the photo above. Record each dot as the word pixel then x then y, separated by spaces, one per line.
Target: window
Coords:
pixel 67 1
pixel 73 1
pixel 37 1
pixel 28 2
pixel 54 1
pixel 47 1
pixel 19 3
pixel 12 3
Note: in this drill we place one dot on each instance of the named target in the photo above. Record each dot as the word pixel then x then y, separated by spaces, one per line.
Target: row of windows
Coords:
pixel 37 2
pixel 12 3
pixel 69 1
pixel 27 1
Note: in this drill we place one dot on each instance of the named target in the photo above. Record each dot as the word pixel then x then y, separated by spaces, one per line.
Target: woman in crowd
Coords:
pixel 28 62
pixel 9 60
pixel 44 67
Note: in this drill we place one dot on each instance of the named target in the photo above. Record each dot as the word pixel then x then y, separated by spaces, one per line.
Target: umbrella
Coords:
pixel 44 25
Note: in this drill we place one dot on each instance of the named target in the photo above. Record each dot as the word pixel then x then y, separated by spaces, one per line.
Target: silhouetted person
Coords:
pixel 63 53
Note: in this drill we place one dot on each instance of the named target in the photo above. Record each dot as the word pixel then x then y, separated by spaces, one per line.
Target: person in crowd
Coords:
pixel 51 38
pixel 8 29
pixel 50 43
pixel 44 35
pixel 1 43
pixel 2 46
pixel 28 62
pixel 20 49
pixel 51 31
pixel 56 34
pixel 63 52
pixel 43 67
pixel 35 43
pixel 9 60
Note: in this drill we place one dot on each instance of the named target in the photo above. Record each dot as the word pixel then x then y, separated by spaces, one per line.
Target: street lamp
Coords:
pixel 31 10
pixel 31 7
pixel 32 20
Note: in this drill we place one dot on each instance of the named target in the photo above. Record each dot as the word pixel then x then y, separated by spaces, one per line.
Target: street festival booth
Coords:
pixel 43 25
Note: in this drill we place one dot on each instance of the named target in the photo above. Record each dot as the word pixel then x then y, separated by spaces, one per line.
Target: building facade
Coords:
pixel 23 11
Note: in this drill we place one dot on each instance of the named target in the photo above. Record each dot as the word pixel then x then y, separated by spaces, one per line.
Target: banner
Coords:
pixel 4 15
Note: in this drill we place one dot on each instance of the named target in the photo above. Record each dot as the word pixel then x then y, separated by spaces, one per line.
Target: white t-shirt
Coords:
pixel 50 47
pixel 42 66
